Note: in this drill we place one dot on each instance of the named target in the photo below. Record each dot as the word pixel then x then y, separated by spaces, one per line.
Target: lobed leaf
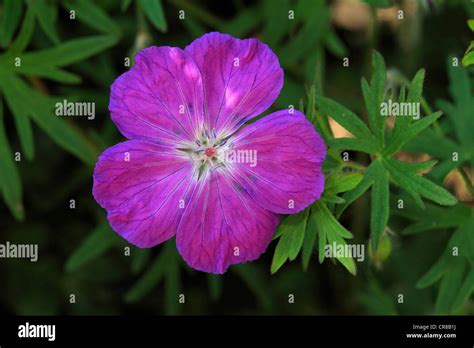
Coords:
pixel 417 185
pixel 41 110
pixel 291 233
pixel 344 117
pixel 400 138
pixel 334 232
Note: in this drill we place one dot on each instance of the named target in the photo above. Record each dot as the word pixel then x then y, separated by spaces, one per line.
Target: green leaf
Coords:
pixel 377 301
pixel 435 273
pixel 415 91
pixel 172 286
pixel 99 241
pixel 47 15
pixel 460 112
pixel 333 198
pixel 215 286
pixel 434 144
pixel 400 138
pixel 423 226
pixel 281 252
pixel 194 27
pixel 341 182
pixel 291 233
pixel 254 278
pixel 455 288
pixel 22 122
pixel 334 231
pixel 344 117
pixel 372 107
pixel 465 291
pixel 417 185
pixel 125 5
pixel 468 59
pixel 377 80
pixel 10 19
pixel 94 16
pixel 243 23
pixel 380 204
pixel 51 73
pixel 276 23
pixel 450 285
pixel 10 183
pixel 402 95
pixel 382 253
pixel 322 245
pixel 363 186
pixel 154 12
pixel 309 240
pixel 68 52
pixel 434 217
pixel 353 144
pixel 24 36
pixel 470 23
pixel 41 110
pixel 139 259
pixel 153 275
pixel 375 95
pixel 311 34
pixel 416 167
pixel 298 235
pixel 335 45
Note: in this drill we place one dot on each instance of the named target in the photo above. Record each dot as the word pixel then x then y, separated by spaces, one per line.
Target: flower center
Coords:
pixel 210 152
pixel 207 152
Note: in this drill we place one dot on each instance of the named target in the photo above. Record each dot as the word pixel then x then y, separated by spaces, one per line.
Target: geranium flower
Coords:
pixel 192 168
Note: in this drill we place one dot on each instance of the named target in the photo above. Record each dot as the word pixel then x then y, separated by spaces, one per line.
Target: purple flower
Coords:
pixel 191 168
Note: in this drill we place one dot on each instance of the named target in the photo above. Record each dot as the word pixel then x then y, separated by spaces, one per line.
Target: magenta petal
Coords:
pixel 159 98
pixel 287 175
pixel 222 226
pixel 242 78
pixel 141 186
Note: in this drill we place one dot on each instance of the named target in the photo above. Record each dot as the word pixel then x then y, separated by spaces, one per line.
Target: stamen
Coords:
pixel 210 152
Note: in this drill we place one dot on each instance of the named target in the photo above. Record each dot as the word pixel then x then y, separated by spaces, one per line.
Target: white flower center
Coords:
pixel 207 153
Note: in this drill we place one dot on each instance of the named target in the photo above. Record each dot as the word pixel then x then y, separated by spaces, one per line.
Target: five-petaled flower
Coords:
pixel 182 110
